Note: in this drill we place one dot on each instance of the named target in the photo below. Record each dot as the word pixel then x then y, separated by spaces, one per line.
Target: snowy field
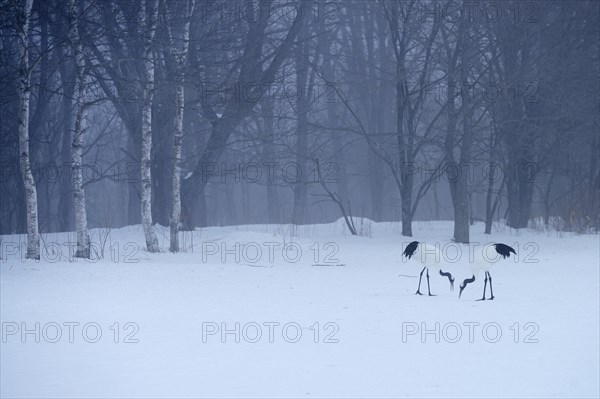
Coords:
pixel 332 315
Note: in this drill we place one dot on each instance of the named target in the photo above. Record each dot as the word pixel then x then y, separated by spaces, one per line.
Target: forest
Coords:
pixel 195 113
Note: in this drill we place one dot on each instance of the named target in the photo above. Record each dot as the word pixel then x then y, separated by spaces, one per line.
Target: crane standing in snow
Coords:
pixel 421 250
pixel 481 262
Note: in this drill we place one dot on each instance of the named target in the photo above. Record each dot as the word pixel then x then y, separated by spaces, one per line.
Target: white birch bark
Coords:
pixel 83 238
pixel 181 57
pixel 149 24
pixel 33 240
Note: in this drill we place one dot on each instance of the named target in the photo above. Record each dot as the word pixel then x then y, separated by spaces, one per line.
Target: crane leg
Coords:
pixel 485 286
pixel 491 290
pixel 420 277
pixel 428 288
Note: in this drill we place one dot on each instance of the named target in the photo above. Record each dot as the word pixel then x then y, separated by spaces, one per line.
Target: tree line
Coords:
pixel 192 113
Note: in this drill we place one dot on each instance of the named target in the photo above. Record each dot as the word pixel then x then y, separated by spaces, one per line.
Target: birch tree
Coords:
pixel 181 52
pixel 22 27
pixel 83 238
pixel 149 18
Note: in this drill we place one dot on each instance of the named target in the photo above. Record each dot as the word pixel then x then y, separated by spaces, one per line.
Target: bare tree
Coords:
pixel 149 20
pixel 83 238
pixel 181 55
pixel 456 66
pixel 118 68
pixel 409 100
pixel 268 157
pixel 255 77
pixel 304 88
pixel 22 27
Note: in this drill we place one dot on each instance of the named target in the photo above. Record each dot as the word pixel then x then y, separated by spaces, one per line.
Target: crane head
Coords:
pixel 450 278
pixel 464 284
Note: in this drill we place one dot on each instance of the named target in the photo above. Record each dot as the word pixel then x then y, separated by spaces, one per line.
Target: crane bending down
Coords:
pixel 481 262
pixel 430 257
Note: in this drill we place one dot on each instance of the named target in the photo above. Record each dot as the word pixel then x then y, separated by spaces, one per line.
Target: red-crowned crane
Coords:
pixel 430 257
pixel 482 262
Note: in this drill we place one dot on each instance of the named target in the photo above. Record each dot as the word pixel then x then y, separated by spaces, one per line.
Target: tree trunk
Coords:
pixel 299 186
pixel 149 23
pixel 176 190
pixel 461 210
pixel 406 215
pixel 489 211
pixel 338 146
pixel 457 172
pixel 33 243
pixel 490 204
pixel 131 177
pixel 65 211
pixel 436 202
pixel 461 192
pixel 194 186
pixel 83 238
pixel 178 133
pixel 268 158
pixel 519 189
pixel 547 198
pixel 406 178
pixel 404 150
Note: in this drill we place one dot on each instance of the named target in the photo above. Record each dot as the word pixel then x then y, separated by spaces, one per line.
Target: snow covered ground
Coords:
pixel 331 315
